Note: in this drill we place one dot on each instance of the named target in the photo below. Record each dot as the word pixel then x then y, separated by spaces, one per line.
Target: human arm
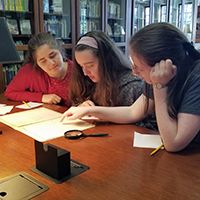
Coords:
pixel 51 98
pixel 87 103
pixel 125 114
pixel 177 133
pixel 30 85
pixel 19 88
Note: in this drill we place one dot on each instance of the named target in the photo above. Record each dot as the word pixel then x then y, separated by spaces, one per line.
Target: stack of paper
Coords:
pixel 146 140
pixel 42 124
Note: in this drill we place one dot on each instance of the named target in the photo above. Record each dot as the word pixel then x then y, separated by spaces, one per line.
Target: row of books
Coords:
pixel 87 25
pixel 114 10
pixel 19 26
pixel 92 8
pixel 61 28
pixel 55 6
pixel 89 10
pixel 14 5
pixel 10 71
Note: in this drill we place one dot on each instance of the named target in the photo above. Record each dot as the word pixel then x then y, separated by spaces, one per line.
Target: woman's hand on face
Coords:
pixel 163 72
pixel 51 98
pixel 75 113
pixel 87 103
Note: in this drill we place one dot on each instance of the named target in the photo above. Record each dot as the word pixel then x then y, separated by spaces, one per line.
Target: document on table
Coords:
pixel 29 105
pixel 53 128
pixel 42 124
pixel 5 109
pixel 29 117
pixel 146 140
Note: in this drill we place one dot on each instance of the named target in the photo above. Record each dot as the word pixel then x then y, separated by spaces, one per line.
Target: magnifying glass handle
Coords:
pixel 96 135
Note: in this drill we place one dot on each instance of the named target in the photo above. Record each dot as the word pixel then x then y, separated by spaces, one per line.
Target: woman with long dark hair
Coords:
pixel 45 76
pixel 162 55
pixel 102 73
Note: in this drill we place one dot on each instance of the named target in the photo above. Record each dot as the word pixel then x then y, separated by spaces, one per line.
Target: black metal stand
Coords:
pixel 54 163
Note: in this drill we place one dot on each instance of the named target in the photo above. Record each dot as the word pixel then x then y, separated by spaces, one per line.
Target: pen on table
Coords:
pixel 157 149
pixel 26 104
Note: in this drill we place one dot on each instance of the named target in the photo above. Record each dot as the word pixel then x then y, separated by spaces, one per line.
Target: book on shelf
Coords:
pixel 54 26
pixel 64 29
pixel 109 30
pixel 92 25
pixel 25 5
pixel 83 21
pixel 6 4
pixel 56 6
pixel 18 5
pixel 114 10
pixel 21 55
pixel 14 5
pixel 25 26
pixel 21 5
pixel 1 5
pixel 10 71
pixel 12 25
pixel 46 6
pixel 94 8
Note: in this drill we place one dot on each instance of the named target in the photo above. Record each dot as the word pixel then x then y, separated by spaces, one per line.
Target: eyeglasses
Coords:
pixel 76 134
pixel 134 67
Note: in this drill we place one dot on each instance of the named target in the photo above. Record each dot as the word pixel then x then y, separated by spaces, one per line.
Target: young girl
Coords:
pixel 102 74
pixel 46 75
pixel 170 66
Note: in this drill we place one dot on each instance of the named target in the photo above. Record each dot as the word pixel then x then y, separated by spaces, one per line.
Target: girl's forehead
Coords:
pixel 45 48
pixel 85 54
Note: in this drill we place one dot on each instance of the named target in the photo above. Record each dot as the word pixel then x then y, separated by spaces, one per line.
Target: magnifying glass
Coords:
pixel 75 134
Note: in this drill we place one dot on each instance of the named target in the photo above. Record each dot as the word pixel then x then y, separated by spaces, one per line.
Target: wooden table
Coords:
pixel 117 170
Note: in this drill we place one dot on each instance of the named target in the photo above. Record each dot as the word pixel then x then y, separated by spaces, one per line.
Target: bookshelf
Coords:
pixel 28 17
pixel 58 17
pixel 109 16
pixel 184 14
pixel 67 20
pixel 22 19
pixel 7 73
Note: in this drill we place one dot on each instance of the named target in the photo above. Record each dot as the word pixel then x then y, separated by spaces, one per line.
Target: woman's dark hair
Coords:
pixel 161 41
pixel 112 63
pixel 38 40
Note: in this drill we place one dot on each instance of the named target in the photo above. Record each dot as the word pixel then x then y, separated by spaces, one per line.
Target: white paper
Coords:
pixel 30 105
pixel 29 116
pixel 51 129
pixel 5 109
pixel 42 124
pixel 146 140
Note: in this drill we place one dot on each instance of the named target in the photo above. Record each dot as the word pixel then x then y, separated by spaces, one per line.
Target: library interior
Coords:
pixel 119 161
